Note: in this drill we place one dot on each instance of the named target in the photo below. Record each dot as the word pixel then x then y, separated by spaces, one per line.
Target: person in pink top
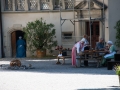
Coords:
pixel 79 46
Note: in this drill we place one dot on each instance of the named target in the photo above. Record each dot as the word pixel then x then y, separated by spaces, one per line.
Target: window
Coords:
pixel 69 4
pixel 45 4
pixel 8 5
pixel 57 4
pixel 67 35
pixel 33 4
pixel 20 5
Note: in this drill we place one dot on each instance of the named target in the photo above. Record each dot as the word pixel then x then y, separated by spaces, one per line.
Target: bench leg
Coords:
pixel 80 62
pixel 58 62
pixel 98 63
pixel 63 60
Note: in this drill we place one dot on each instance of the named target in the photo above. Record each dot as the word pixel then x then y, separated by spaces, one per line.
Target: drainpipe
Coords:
pixel 1 34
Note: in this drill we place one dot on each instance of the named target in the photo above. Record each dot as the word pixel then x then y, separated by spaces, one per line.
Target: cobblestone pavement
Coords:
pixel 46 75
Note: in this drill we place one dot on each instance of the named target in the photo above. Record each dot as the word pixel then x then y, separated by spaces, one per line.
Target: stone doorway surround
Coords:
pixel 15 27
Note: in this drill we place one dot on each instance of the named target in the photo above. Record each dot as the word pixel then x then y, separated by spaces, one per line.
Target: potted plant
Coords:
pixel 117 70
pixel 40 36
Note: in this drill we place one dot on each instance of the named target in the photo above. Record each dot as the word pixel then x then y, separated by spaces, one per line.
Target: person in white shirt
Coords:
pixel 86 47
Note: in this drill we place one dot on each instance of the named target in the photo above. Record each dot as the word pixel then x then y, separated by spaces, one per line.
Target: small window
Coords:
pixel 67 35
pixel 33 4
pixel 69 4
pixel 20 5
pixel 8 5
pixel 45 4
pixel 57 4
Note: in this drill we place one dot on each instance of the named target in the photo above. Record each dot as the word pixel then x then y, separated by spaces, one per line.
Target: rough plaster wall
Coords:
pixel 114 16
pixel 105 34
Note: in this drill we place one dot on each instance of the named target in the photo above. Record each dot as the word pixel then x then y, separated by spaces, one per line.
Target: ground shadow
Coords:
pixel 117 88
pixel 50 66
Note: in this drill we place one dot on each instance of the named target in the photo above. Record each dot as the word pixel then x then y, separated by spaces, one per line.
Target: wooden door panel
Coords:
pixel 94 32
pixel 13 42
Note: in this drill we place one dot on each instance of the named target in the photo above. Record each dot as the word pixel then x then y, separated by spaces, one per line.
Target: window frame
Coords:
pixel 17 8
pixel 46 2
pixel 29 8
pixel 6 9
pixel 61 5
pixel 67 35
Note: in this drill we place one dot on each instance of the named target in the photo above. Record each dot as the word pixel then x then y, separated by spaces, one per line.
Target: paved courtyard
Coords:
pixel 46 75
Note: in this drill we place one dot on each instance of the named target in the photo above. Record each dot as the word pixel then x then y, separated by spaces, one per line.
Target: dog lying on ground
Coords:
pixel 15 63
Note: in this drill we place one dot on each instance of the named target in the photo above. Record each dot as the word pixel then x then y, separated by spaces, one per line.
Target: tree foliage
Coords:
pixel 117 27
pixel 40 35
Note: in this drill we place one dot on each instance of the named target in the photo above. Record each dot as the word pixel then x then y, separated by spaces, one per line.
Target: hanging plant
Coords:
pixel 117 27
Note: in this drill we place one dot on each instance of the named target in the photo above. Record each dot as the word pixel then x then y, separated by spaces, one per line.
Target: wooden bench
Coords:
pixel 63 58
pixel 92 56
pixel 68 55
pixel 110 64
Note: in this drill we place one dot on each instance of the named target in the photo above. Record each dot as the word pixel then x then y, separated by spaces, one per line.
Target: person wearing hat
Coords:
pixel 79 46
pixel 20 48
pixel 110 52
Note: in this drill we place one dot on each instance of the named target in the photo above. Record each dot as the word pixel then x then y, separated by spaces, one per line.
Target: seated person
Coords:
pixel 60 56
pixel 110 52
pixel 100 44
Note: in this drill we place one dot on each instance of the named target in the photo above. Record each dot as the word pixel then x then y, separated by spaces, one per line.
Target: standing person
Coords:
pixel 20 48
pixel 86 47
pixel 100 44
pixel 110 54
pixel 79 46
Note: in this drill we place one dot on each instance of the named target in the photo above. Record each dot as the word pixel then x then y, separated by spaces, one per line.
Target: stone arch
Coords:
pixel 10 31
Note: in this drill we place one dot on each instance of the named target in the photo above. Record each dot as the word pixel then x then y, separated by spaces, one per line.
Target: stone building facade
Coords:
pixel 70 17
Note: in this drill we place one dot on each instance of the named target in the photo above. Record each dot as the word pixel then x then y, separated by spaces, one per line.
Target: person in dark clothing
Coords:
pixel 100 44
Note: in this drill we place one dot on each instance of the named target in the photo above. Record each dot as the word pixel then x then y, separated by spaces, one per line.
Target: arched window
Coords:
pixel 8 5
pixel 20 5
pixel 45 4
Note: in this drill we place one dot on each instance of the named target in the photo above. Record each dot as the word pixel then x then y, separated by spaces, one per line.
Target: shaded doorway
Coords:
pixel 95 32
pixel 14 37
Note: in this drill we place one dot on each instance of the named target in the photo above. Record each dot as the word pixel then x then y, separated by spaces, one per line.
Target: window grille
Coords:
pixel 20 5
pixel 69 4
pixel 8 5
pixel 66 35
pixel 45 4
pixel 33 4
pixel 57 4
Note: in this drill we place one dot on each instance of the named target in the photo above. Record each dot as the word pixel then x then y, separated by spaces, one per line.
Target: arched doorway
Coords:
pixel 14 37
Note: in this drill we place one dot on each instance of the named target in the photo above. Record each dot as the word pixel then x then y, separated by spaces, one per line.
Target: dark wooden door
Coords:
pixel 95 31
pixel 13 43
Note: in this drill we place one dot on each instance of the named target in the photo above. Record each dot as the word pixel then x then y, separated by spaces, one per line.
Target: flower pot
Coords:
pixel 41 53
